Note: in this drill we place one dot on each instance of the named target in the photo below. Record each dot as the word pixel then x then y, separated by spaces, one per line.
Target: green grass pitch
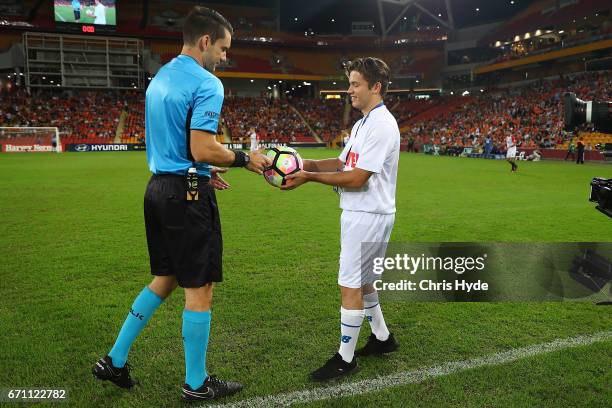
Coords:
pixel 66 14
pixel 74 256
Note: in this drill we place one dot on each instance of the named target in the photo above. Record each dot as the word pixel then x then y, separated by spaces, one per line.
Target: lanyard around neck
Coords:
pixel 359 127
pixel 367 116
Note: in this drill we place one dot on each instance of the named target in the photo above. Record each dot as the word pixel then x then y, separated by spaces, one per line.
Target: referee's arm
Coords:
pixel 205 149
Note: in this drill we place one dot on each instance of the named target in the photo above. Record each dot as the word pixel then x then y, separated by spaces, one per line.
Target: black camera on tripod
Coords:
pixel 578 112
pixel 601 193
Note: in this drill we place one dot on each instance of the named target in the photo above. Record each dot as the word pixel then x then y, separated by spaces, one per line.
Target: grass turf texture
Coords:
pixel 74 257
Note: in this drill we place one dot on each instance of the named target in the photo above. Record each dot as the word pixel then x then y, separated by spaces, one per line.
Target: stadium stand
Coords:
pixel 133 127
pixel 82 116
pixel 409 108
pixel 324 116
pixel 549 25
pixel 275 121
pixel 531 113
pixel 545 13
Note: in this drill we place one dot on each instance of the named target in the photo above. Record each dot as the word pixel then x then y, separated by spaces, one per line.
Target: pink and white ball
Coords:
pixel 285 161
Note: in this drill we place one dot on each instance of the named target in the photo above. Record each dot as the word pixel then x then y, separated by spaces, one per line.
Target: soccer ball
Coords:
pixel 285 161
pixel 89 13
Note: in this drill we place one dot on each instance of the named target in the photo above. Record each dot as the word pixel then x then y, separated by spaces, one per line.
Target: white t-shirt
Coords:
pixel 509 141
pixel 374 145
pixel 100 14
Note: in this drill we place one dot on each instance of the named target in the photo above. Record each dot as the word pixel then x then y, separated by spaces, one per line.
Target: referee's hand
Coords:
pixel 216 180
pixel 258 162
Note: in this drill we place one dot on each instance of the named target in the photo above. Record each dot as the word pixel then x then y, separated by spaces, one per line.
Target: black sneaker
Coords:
pixel 105 370
pixel 335 367
pixel 375 347
pixel 212 388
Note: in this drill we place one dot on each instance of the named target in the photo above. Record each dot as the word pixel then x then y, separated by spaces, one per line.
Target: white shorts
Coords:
pixel 357 228
pixel 253 145
pixel 511 153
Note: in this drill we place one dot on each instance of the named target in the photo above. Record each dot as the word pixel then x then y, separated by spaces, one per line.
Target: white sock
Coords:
pixel 350 323
pixel 374 315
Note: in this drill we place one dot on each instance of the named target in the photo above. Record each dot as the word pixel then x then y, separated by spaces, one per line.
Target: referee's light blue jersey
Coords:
pixel 182 96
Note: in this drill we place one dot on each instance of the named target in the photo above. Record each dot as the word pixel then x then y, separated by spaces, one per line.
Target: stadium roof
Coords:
pixel 336 16
pixel 318 14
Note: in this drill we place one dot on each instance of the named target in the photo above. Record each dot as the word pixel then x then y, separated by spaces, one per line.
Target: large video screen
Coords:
pixel 100 12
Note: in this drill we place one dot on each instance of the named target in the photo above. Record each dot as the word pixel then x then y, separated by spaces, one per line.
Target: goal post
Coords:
pixel 30 139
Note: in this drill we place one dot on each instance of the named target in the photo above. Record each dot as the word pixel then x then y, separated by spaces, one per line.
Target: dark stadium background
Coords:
pixel 510 59
pixel 465 75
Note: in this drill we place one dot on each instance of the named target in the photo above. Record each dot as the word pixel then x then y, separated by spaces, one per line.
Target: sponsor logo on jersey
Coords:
pixel 351 160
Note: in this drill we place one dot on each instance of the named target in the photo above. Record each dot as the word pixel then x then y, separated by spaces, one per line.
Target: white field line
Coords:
pixel 59 16
pixel 416 376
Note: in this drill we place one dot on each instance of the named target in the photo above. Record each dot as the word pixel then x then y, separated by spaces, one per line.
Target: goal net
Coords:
pixel 30 139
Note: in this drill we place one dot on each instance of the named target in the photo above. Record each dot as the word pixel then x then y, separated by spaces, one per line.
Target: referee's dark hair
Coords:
pixel 201 21
pixel 373 70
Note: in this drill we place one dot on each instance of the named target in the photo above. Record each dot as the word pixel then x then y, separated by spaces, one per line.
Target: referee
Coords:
pixel 183 104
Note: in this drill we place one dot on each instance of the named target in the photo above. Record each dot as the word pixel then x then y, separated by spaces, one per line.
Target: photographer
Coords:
pixel 599 114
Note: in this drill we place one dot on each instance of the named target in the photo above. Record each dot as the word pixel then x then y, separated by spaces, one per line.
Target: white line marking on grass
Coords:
pixel 60 16
pixel 415 376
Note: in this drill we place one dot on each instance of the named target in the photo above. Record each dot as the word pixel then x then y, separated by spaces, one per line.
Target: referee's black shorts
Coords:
pixel 184 237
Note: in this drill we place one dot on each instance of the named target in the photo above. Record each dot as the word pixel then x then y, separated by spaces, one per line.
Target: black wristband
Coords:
pixel 240 160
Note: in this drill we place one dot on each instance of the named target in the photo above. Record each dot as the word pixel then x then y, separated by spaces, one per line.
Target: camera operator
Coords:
pixel 580 151
pixel 599 114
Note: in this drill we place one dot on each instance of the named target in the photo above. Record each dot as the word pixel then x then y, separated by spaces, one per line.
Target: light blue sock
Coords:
pixel 196 328
pixel 142 309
